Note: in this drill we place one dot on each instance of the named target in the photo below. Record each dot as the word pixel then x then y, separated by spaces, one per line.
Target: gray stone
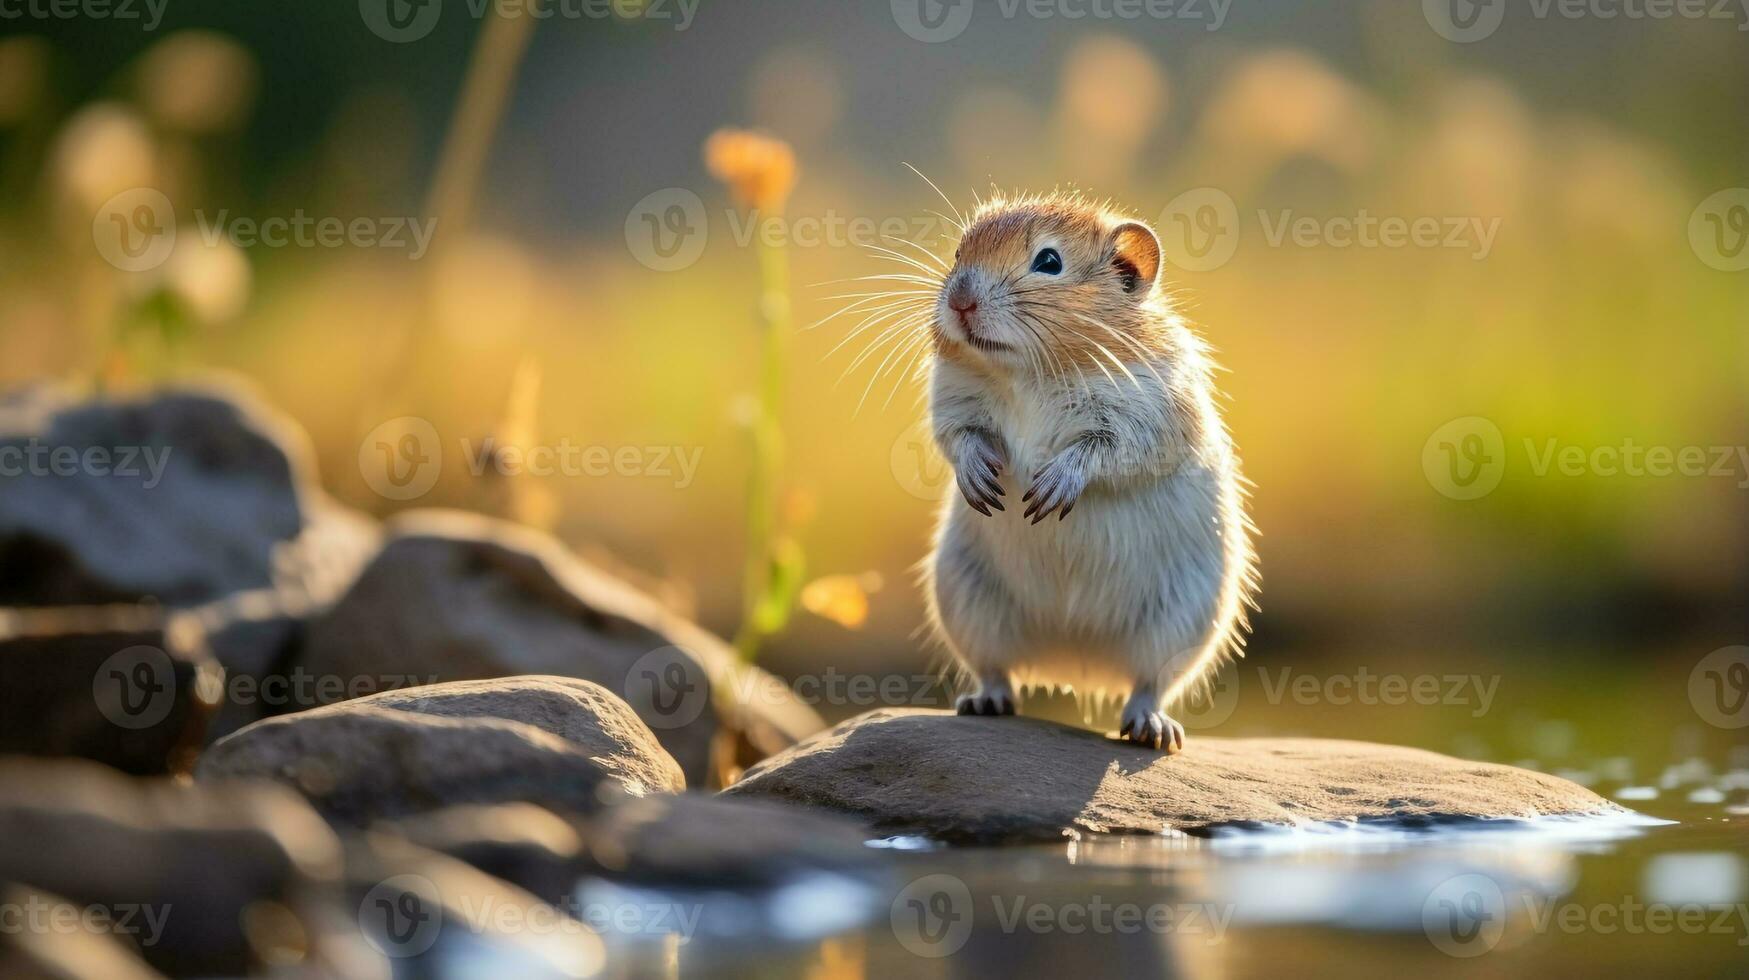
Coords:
pixel 111 684
pixel 459 597
pixel 196 857
pixel 180 498
pixel 554 741
pixel 974 779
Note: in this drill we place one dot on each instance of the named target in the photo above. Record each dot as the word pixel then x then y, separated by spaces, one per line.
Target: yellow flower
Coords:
pixel 843 599
pixel 760 170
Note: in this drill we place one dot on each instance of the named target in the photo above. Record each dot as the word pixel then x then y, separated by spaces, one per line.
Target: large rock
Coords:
pixel 555 741
pixel 969 779
pixel 212 879
pixel 179 498
pixel 453 596
pixel 112 684
pixel 199 500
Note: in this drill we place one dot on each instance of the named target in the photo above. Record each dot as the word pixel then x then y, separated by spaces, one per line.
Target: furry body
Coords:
pixel 1080 393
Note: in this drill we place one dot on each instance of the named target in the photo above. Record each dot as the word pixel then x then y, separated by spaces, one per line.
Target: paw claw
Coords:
pixel 1153 729
pixel 988 705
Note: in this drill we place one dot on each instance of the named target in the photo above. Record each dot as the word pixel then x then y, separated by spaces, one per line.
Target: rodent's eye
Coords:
pixel 1048 261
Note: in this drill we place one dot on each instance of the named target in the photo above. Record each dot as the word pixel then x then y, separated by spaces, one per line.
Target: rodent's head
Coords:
pixel 1046 282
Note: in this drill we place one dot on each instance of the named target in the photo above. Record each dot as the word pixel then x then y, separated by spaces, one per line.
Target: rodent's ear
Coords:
pixel 1136 253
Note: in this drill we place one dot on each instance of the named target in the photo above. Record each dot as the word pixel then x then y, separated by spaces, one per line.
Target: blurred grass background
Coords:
pixel 1591 322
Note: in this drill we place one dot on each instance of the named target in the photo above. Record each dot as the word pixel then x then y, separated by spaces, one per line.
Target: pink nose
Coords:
pixel 961 305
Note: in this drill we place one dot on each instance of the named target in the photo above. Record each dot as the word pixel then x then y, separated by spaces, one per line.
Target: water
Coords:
pixel 1664 893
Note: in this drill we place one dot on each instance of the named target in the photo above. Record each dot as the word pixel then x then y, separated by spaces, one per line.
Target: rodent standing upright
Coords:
pixel 1062 375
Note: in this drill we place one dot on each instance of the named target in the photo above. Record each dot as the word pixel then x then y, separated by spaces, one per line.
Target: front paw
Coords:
pixel 1055 487
pixel 978 471
pixel 985 703
pixel 1152 729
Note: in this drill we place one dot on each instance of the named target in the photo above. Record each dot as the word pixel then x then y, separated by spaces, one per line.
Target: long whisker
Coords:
pixel 882 370
pixel 880 301
pixel 877 317
pixel 896 256
pixel 944 197
pixel 940 264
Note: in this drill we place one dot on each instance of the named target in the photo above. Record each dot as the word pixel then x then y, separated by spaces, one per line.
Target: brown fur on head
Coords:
pixel 1002 305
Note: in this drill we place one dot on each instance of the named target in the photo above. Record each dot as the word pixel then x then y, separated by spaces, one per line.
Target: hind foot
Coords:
pixel 1145 724
pixel 994 696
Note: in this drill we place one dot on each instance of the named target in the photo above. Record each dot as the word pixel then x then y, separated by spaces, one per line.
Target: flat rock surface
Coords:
pixel 991 779
pixel 548 740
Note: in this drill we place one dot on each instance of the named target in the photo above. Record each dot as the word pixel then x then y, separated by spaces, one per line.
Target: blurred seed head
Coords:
pixel 759 170
pixel 104 149
pixel 197 81
pixel 1113 97
pixel 1282 104
pixel 211 279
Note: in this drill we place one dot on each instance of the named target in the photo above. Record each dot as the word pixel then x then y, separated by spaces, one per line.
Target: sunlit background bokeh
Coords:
pixel 1590 317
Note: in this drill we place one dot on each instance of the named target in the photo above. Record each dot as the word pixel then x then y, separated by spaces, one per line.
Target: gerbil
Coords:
pixel 1065 385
